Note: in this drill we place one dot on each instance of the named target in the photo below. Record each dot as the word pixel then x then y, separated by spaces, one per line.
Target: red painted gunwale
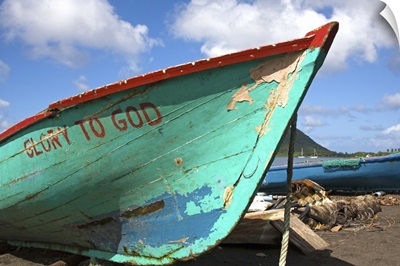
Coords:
pixel 320 37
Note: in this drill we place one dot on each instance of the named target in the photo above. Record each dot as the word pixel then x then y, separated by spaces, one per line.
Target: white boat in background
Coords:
pixel 302 154
pixel 315 155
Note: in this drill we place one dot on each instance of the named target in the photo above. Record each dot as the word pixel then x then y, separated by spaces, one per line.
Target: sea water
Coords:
pixel 283 160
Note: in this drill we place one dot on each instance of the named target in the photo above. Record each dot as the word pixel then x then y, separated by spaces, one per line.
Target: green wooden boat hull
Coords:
pixel 157 168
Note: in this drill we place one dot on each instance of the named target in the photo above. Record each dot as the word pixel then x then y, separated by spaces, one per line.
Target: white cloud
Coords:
pixel 4 71
pixel 311 122
pixel 348 141
pixel 391 101
pixel 388 138
pixel 64 29
pixel 393 131
pixel 4 104
pixel 347 111
pixel 4 124
pixel 371 127
pixel 231 25
pixel 316 110
pixel 81 83
pixel 361 108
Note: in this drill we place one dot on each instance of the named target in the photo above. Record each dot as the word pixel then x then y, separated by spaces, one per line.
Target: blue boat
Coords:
pixel 361 174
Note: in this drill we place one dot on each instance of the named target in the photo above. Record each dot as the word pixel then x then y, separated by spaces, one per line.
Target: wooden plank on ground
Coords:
pixel 301 235
pixel 269 215
pixel 255 228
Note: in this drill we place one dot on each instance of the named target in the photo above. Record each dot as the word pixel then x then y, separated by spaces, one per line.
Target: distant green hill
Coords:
pixel 307 144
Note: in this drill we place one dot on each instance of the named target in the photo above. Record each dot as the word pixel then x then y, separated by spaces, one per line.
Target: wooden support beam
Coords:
pixel 266 227
pixel 255 228
pixel 301 235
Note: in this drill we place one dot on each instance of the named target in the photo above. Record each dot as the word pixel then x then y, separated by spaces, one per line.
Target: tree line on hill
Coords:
pixel 308 146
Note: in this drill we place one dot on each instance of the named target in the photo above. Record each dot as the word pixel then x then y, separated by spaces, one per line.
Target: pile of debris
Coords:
pixel 387 201
pixel 320 212
pixel 311 209
pixel 315 208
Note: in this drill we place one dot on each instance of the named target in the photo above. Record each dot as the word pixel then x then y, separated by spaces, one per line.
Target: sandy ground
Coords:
pixel 373 244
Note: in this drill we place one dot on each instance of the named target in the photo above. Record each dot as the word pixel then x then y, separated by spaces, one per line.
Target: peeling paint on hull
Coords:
pixel 157 168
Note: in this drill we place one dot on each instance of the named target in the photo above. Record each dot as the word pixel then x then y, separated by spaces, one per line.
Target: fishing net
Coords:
pixel 342 165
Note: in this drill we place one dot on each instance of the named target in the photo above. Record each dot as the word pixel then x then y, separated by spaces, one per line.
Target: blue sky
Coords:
pixel 53 49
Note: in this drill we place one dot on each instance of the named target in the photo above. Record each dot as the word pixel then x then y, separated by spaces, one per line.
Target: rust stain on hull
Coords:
pixel 154 207
pixel 178 161
pixel 98 222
